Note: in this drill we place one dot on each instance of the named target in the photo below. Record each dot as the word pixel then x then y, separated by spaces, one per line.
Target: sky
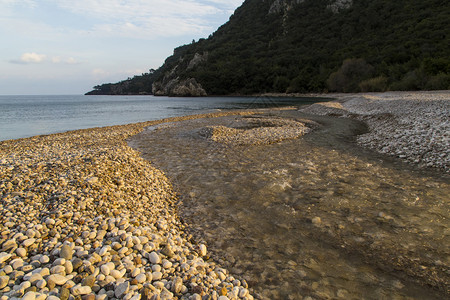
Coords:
pixel 69 46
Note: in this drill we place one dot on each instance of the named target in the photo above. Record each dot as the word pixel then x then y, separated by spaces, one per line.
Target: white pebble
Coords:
pixel 105 269
pixel 154 258
pixel 22 252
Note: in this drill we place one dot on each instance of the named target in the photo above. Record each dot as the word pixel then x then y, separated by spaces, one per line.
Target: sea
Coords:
pixel 26 116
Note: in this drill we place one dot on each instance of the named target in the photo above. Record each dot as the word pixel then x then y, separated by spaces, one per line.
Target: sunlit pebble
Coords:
pixel 105 211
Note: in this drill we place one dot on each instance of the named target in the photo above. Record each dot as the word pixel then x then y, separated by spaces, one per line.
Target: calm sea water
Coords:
pixel 25 116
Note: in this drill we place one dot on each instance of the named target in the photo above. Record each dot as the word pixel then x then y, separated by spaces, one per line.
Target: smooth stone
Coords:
pixel 57 279
pixel 81 290
pixel 243 292
pixel 40 284
pixel 167 264
pixel 141 278
pixel 105 270
pixel 29 296
pixel 316 220
pixel 116 274
pixel 16 263
pixel 154 258
pixel 167 251
pixel 196 297
pixel 122 289
pixel 64 294
pixel 104 251
pixel 4 257
pixel 89 297
pixel 177 285
pixel 28 242
pixel 135 272
pixel 202 248
pixel 76 263
pixel 44 272
pixel 3 281
pixel 69 267
pixel 221 276
pixel 156 268
pixel 7 269
pixel 89 281
pixel 44 259
pixel 22 252
pixel 61 270
pixel 24 285
pixel 156 276
pixel 65 252
pixel 35 277
pixel 59 262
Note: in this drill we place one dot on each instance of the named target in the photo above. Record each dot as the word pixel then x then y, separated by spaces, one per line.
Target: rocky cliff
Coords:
pixel 178 87
pixel 171 84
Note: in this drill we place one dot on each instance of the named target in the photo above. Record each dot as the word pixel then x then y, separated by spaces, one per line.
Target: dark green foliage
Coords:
pixel 377 84
pixel 400 45
pixel 138 85
pixel 349 76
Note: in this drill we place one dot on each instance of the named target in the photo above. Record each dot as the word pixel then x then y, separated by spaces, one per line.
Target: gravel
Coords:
pixel 414 126
pixel 83 216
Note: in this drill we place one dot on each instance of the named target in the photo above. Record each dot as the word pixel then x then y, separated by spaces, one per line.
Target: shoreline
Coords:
pixel 412 126
pixel 82 213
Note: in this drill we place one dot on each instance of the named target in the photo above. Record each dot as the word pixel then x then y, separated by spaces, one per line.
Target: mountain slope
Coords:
pixel 315 46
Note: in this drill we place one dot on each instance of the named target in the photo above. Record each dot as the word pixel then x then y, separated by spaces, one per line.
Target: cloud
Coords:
pixel 30 58
pixel 148 19
pixel 69 60
pixel 27 3
pixel 35 58
pixel 137 19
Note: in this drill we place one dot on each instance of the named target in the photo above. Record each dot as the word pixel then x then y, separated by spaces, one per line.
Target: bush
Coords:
pixel 348 77
pixel 281 84
pixel 377 84
pixel 412 81
pixel 439 82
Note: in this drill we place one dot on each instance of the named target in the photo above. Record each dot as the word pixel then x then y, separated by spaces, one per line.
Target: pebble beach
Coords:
pixel 413 126
pixel 84 216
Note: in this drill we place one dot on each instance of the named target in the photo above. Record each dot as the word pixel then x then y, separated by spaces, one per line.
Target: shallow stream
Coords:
pixel 316 216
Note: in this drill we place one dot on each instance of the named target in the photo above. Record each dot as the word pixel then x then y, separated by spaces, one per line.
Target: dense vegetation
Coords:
pixel 374 45
pixel 138 85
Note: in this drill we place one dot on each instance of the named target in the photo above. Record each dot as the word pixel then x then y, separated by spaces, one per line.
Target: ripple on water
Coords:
pixel 315 216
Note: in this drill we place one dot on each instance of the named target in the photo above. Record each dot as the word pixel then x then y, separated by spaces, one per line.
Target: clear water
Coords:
pixel 383 233
pixel 25 116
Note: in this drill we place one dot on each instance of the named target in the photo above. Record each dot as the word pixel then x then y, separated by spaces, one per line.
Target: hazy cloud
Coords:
pixel 30 58
pixel 60 60
pixel 148 18
pixel 35 58
pixel 28 3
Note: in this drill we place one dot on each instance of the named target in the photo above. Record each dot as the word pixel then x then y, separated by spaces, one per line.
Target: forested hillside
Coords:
pixel 312 46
